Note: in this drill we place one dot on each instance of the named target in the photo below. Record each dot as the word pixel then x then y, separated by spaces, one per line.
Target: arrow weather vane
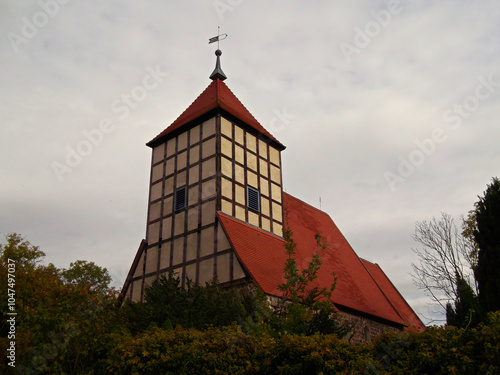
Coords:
pixel 217 38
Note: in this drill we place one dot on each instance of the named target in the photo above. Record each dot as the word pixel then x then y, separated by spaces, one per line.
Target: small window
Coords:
pixel 180 198
pixel 253 199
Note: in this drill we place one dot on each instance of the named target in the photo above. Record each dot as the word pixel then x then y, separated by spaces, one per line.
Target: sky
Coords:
pixel 389 111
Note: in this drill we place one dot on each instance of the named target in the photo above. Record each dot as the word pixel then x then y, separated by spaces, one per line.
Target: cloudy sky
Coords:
pixel 389 111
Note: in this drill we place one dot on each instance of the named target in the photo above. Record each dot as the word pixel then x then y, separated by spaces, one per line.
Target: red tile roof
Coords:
pixel 394 297
pixel 216 95
pixel 263 255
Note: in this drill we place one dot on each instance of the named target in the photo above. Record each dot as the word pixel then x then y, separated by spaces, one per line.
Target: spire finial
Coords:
pixel 218 73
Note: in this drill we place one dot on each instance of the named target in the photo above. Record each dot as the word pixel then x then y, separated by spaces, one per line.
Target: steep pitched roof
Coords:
pixel 263 255
pixel 394 297
pixel 216 95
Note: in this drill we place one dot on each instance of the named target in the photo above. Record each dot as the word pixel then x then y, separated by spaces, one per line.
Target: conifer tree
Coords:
pixel 466 313
pixel 487 236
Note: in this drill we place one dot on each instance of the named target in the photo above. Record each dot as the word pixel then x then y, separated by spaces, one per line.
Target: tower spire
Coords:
pixel 218 73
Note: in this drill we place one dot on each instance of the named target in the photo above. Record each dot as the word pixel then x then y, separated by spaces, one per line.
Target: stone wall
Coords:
pixel 364 329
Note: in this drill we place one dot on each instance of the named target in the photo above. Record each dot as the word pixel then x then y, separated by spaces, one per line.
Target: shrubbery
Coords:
pixel 230 351
pixel 67 327
pixel 169 305
pixel 438 350
pixel 442 350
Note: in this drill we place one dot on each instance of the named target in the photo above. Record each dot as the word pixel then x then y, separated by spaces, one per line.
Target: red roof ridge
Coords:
pixel 324 213
pixel 188 109
pixel 364 263
pixel 307 204
pixel 375 265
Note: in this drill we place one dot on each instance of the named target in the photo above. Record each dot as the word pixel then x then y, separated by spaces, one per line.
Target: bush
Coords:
pixel 230 351
pixel 441 350
pixel 169 305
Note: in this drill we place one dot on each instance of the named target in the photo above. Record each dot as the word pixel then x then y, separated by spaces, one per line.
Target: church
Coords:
pixel 216 209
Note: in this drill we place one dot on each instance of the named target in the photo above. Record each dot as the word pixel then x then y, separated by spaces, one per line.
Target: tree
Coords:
pixel 167 304
pixel 487 236
pixel 303 309
pixel 466 311
pixel 469 225
pixel 86 273
pixel 445 260
pixel 22 252
pixel 56 322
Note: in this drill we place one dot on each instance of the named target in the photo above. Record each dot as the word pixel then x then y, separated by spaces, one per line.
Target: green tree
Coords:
pixel 487 236
pixel 466 312
pixel 305 309
pixel 168 304
pixel 22 252
pixel 86 273
pixel 469 225
pixel 56 323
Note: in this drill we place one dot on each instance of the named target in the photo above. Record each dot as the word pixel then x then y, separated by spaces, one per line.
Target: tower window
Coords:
pixel 253 199
pixel 180 199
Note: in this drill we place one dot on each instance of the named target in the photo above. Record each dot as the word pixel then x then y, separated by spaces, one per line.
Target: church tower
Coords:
pixel 214 158
pixel 215 211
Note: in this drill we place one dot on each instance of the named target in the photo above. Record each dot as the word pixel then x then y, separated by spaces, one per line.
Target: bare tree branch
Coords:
pixel 444 257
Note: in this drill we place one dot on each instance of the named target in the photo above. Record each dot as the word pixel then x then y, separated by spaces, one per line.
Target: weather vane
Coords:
pixel 217 38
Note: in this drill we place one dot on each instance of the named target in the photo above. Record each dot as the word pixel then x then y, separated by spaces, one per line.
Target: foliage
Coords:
pixel 305 309
pixel 22 252
pixel 83 273
pixel 444 260
pixel 441 350
pixel 168 304
pixel 74 329
pixel 469 225
pixel 228 350
pixel 466 311
pixel 55 323
pixel 487 236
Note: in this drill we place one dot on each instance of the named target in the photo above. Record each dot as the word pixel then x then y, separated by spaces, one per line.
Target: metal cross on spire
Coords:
pixel 218 73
